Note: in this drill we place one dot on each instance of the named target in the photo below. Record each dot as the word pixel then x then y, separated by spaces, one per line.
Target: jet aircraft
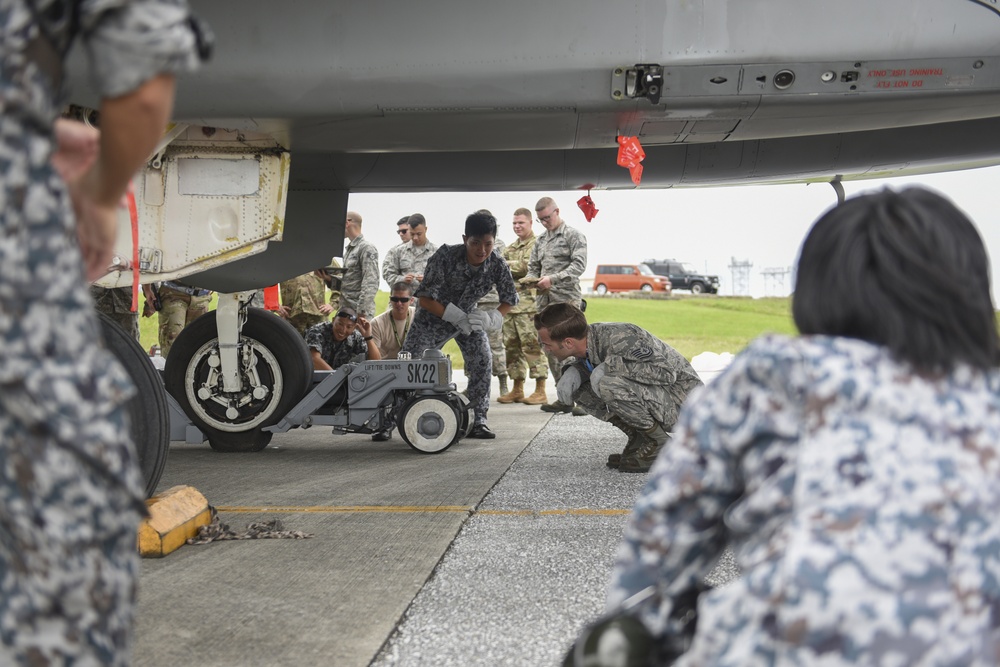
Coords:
pixel 305 102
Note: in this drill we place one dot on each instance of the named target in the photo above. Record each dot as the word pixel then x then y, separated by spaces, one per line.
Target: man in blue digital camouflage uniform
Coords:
pixel 71 493
pixel 456 278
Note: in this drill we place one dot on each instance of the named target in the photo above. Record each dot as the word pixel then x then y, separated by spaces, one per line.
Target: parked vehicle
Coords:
pixel 684 276
pixel 627 278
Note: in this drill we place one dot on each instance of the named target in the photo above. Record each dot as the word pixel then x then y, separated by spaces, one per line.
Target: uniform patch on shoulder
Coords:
pixel 642 351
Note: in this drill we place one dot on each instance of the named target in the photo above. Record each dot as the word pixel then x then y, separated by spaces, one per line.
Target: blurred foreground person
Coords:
pixel 71 494
pixel 854 469
pixel 622 374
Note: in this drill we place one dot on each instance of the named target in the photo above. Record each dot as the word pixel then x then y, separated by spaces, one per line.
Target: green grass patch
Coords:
pixel 698 324
pixel 690 325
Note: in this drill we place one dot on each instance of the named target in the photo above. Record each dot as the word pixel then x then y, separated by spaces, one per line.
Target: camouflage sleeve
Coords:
pixel 434 276
pixel 516 261
pixel 390 266
pixel 369 279
pixel 314 338
pixel 632 352
pixel 577 244
pixel 534 263
pixel 505 284
pixel 358 344
pixel 129 43
pixel 676 531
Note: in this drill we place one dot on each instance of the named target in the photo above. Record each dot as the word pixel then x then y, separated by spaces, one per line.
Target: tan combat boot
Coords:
pixel 641 460
pixel 539 397
pixel 515 395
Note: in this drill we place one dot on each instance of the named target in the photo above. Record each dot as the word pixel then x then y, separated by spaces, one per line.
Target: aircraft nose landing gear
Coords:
pixel 275 372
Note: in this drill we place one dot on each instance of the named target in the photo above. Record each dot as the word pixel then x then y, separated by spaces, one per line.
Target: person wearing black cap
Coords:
pixel 335 343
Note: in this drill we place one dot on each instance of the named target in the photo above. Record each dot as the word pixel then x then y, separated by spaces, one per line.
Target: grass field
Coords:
pixel 690 325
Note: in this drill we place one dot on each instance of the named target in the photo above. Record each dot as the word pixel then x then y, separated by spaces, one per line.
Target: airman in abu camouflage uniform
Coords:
pixel 556 264
pixel 519 336
pixel 116 303
pixel 390 260
pixel 71 493
pixel 360 282
pixel 622 374
pixel 457 277
pixel 407 263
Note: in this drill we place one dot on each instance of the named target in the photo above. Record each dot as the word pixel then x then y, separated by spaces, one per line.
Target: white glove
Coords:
pixel 486 320
pixel 568 384
pixel 458 317
pixel 596 376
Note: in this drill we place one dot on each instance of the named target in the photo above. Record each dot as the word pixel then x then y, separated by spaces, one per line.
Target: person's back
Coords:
pixel 870 499
pixel 854 469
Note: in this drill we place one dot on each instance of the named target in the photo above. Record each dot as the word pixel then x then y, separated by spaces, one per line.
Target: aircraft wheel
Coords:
pixel 148 411
pixel 275 373
pixel 430 424
pixel 601 289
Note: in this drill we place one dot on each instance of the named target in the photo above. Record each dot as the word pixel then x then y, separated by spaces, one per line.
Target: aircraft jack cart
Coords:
pixel 362 397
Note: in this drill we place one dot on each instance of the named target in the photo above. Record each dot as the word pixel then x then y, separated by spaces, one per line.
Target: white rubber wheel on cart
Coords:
pixel 430 424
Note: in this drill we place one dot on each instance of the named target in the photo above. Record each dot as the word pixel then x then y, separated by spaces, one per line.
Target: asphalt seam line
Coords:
pixel 391 509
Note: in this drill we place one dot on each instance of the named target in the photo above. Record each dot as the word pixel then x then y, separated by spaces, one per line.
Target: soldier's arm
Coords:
pixel 517 262
pixel 391 271
pixel 429 291
pixel 577 244
pixel 369 278
pixel 131 125
pixel 388 269
pixel 319 363
pixel 534 263
pixel 506 291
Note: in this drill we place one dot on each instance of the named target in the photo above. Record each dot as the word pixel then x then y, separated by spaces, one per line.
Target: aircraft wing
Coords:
pixel 393 96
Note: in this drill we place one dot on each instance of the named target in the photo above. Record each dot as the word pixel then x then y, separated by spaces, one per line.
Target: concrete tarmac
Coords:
pixel 492 552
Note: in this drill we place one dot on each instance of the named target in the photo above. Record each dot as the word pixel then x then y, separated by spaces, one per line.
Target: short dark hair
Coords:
pixel 416 220
pixel 481 223
pixel 402 286
pixel 402 221
pixel 906 270
pixel 563 320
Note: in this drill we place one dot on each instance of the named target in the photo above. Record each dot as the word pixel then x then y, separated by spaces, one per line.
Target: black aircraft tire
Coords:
pixel 283 361
pixel 148 411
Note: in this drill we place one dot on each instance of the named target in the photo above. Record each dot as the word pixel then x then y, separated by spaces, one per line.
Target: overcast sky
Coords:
pixel 707 227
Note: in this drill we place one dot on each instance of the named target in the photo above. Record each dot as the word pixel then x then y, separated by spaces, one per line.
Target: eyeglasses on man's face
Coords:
pixel 399 299
pixel 547 218
pixel 402 232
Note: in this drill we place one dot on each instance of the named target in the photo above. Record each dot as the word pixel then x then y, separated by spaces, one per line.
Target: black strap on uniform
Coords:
pixel 43 49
